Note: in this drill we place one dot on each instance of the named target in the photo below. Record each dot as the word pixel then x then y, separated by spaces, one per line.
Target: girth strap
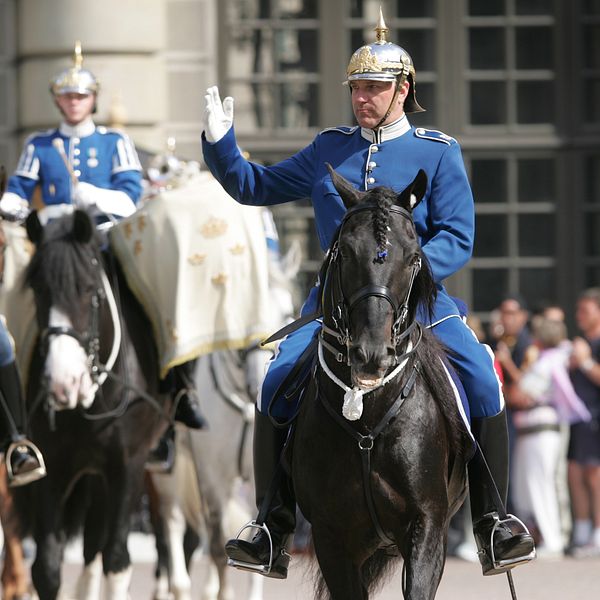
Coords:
pixel 366 442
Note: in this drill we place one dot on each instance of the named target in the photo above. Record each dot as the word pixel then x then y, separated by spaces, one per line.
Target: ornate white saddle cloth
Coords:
pixel 197 262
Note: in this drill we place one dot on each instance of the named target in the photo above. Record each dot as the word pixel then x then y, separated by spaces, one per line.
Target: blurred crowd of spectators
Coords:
pixel 552 391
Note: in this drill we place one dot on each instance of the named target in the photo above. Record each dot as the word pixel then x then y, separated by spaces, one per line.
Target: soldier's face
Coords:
pixel 371 100
pixel 75 107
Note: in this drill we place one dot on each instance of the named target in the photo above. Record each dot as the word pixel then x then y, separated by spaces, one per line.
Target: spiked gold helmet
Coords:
pixel 384 61
pixel 75 79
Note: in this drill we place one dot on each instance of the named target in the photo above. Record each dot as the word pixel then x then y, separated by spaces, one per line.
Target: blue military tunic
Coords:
pixel 100 156
pixel 391 157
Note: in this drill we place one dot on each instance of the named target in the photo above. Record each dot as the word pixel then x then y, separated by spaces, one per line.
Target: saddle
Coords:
pixel 293 386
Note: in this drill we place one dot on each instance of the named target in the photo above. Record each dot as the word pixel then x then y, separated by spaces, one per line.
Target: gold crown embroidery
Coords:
pixel 237 249
pixel 220 279
pixel 196 259
pixel 213 228
pixel 141 222
pixel 128 230
pixel 137 247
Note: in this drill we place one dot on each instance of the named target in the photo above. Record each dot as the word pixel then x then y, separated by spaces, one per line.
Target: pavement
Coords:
pixel 550 579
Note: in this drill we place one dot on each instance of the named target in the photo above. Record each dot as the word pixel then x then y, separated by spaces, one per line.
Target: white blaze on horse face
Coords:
pixel 67 368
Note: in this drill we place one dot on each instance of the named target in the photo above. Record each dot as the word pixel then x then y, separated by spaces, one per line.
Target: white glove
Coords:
pixel 112 202
pixel 13 206
pixel 84 195
pixel 218 117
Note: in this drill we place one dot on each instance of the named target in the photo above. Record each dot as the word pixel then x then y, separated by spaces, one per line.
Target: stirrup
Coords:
pixel 252 567
pixel 16 480
pixel 499 565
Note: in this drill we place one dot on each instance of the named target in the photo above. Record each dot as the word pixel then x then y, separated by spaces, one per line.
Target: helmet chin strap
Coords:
pixel 399 81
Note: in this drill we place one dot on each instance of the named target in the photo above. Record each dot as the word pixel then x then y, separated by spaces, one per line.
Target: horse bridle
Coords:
pixel 91 346
pixel 343 307
pixel 90 342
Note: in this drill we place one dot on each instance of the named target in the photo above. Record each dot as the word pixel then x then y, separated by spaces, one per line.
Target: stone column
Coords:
pixel 123 43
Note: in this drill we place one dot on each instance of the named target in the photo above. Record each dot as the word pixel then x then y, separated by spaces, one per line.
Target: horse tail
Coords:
pixel 377 569
pixel 374 573
pixel 432 353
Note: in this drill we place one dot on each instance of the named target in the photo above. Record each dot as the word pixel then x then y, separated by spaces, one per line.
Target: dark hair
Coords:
pixel 591 294
pixel 515 298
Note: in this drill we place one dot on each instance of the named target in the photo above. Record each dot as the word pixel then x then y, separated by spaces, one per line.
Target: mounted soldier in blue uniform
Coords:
pixel 382 150
pixel 81 165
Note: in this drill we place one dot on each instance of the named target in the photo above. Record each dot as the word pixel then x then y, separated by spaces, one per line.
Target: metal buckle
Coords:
pixel 245 566
pixel 24 478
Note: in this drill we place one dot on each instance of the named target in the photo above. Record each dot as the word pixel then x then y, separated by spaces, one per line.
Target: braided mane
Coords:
pixel 381 221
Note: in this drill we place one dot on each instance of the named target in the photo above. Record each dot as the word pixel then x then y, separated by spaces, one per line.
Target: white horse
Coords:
pixel 210 489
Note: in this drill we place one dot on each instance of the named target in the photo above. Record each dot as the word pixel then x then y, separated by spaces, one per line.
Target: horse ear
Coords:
pixel 82 227
pixel 348 193
pixel 414 193
pixel 34 228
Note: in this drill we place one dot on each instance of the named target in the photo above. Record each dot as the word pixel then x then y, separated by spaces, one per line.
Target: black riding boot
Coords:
pixel 268 556
pixel 24 462
pixel 502 542
pixel 161 459
pixel 187 409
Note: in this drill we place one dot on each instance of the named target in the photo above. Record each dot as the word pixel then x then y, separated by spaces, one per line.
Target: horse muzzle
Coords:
pixel 369 367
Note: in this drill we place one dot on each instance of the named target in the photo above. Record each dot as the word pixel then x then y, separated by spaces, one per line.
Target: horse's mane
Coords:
pixel 430 354
pixel 424 288
pixel 61 266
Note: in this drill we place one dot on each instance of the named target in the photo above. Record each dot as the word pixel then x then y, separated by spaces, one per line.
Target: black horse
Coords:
pixel 385 480
pixel 94 404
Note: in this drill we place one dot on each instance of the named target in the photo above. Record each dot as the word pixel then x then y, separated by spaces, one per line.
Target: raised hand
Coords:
pixel 218 116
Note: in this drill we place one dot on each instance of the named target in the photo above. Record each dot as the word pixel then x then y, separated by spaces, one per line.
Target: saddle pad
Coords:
pixel 197 262
pixel 460 396
pixel 16 303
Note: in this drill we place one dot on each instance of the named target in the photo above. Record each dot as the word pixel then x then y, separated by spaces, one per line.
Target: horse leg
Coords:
pixel 161 572
pixel 426 557
pixel 123 486
pixel 341 575
pixel 90 580
pixel 216 548
pixel 256 587
pixel 14 576
pixel 181 584
pixel 46 568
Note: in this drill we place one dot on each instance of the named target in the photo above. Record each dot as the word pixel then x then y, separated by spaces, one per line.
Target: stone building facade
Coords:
pixel 516 81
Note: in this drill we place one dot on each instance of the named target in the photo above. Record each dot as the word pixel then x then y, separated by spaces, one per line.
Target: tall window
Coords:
pixel 590 219
pixel 272 49
pixel 515 247
pixel 510 67
pixel 590 50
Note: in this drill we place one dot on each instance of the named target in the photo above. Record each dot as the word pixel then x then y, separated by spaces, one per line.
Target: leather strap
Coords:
pixel 366 442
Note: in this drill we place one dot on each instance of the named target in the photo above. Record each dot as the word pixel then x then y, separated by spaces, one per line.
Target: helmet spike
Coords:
pixel 77 56
pixel 75 79
pixel 381 29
